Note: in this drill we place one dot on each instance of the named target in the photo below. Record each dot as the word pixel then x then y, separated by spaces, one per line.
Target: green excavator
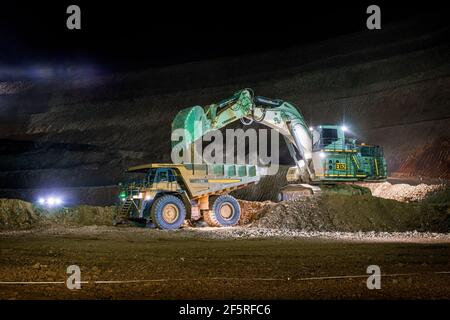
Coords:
pixel 324 155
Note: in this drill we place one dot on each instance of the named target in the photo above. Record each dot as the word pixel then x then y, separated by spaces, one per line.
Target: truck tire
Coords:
pixel 225 211
pixel 168 212
pixel 208 216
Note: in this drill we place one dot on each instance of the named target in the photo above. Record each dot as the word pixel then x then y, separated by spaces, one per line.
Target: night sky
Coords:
pixel 127 36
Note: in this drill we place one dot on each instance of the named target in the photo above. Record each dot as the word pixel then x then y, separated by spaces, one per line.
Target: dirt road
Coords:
pixel 187 264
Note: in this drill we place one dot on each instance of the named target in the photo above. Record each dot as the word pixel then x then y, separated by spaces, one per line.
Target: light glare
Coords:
pixel 50 201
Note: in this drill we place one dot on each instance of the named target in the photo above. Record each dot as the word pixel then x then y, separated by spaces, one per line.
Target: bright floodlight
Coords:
pixel 311 128
pixel 322 155
pixel 51 201
pixel 344 128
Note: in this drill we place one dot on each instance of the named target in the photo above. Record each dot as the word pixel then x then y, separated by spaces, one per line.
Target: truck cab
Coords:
pixel 162 179
pixel 138 195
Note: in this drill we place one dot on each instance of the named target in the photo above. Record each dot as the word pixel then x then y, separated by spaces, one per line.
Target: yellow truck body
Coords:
pixel 202 188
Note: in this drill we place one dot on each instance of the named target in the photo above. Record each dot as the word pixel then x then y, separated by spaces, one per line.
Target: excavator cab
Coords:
pixel 331 137
pixel 338 157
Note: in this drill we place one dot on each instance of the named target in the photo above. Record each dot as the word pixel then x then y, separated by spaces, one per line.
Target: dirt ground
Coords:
pixel 189 264
pixel 312 249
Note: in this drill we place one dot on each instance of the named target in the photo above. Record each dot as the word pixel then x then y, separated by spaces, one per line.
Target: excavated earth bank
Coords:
pixel 327 213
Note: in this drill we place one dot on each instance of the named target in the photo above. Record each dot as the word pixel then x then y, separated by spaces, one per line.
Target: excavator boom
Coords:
pixel 276 114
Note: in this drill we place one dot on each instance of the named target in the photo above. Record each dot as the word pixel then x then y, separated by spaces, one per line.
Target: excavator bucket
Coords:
pixel 189 125
pixel 193 123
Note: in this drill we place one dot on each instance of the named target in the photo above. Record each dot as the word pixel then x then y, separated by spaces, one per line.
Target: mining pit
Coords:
pixel 76 136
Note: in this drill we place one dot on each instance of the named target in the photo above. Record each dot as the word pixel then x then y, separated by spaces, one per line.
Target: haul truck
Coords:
pixel 167 194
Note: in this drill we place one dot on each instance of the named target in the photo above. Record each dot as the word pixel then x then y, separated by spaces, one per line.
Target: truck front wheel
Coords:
pixel 225 211
pixel 168 212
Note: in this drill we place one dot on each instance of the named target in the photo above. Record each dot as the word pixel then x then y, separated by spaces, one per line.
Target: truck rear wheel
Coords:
pixel 225 211
pixel 168 212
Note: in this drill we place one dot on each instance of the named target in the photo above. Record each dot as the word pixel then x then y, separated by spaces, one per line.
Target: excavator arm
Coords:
pixel 244 106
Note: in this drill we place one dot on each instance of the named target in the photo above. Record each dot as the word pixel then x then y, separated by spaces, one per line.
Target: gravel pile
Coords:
pixel 352 214
pixel 17 214
pixel 401 192
pixel 85 216
pixel 299 215
pixel 251 210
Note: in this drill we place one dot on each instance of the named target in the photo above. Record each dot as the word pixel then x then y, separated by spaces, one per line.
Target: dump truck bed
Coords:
pixel 202 179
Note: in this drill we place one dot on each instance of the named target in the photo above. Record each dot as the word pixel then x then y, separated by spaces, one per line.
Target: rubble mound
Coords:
pixel 17 214
pixel 440 197
pixel 85 215
pixel 353 213
pixel 302 214
pixel 251 210
pixel 402 192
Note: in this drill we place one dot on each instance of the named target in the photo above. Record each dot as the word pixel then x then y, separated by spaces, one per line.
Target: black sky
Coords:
pixel 129 35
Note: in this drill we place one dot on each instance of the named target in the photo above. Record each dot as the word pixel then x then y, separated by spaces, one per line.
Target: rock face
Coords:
pixel 392 87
